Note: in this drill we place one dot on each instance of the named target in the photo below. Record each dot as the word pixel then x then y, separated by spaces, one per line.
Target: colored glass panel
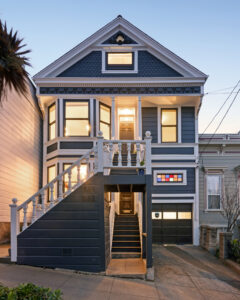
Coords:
pixel 169 177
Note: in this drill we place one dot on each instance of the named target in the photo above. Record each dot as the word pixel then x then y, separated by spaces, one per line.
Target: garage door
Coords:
pixel 172 223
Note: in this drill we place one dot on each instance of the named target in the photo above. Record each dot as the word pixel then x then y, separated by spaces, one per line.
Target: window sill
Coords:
pixel 213 210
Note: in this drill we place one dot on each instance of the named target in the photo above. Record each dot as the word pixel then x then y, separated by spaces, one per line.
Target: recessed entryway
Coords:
pixel 126 203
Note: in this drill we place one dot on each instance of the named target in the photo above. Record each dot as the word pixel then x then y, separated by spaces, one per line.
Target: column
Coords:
pixel 113 118
pixel 139 118
pixel 91 118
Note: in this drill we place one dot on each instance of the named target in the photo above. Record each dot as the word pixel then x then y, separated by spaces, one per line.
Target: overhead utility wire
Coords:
pixel 228 88
pixel 221 120
pixel 221 107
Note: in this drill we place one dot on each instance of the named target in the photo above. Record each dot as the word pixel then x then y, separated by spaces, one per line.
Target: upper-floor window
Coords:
pixel 76 121
pixel 52 122
pixel 169 125
pixel 105 121
pixel 214 191
pixel 119 61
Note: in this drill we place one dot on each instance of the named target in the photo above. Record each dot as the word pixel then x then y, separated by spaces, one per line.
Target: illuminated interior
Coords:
pixel 83 175
pixel 169 125
pixel 119 58
pixel 51 174
pixel 76 118
pixel 105 121
pixel 52 122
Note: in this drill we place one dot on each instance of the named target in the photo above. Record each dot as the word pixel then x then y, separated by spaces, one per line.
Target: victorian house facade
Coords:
pixel 120 154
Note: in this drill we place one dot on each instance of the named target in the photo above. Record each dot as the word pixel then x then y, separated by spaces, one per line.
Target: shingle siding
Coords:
pixel 148 66
pixel 188 124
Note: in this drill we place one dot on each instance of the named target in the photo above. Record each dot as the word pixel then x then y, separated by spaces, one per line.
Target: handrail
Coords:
pixel 48 185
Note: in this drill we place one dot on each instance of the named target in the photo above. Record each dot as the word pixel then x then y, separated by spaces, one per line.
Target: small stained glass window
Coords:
pixel 169 178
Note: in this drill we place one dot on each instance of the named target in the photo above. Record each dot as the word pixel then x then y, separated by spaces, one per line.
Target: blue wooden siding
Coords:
pixel 175 189
pixel 148 66
pixel 149 122
pixel 174 151
pixel 188 124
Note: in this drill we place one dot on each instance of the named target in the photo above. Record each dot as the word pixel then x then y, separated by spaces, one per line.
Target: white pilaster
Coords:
pixel 91 118
pixel 196 210
pixel 139 118
pixel 61 117
pixel 113 118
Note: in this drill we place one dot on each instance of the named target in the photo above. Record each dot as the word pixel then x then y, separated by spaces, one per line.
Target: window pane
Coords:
pixel 157 215
pixel 170 215
pixel 50 176
pixel 169 117
pixel 77 128
pixel 52 131
pixel 169 134
pixel 83 175
pixel 105 114
pixel 105 130
pixel 213 201
pixel 52 113
pixel 119 59
pixel 76 110
pixel 185 215
pixel 214 184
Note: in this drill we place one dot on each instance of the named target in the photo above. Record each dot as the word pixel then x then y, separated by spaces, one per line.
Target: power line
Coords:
pixel 228 88
pixel 231 104
pixel 217 113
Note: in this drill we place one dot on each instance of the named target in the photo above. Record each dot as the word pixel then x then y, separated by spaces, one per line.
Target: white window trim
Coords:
pixel 215 172
pixel 155 172
pixel 135 70
pixel 179 124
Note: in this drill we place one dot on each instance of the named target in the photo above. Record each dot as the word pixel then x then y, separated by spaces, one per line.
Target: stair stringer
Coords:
pixel 71 234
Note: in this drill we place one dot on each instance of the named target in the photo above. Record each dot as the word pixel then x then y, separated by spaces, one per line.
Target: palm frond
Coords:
pixel 13 62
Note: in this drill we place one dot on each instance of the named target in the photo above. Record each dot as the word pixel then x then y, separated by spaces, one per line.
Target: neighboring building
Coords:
pixel 20 152
pixel 219 164
pixel 145 100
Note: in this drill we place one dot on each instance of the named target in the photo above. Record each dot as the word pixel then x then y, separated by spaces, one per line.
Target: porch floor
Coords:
pixel 132 267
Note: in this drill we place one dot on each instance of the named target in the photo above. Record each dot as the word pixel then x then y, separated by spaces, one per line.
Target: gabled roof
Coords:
pixel 105 33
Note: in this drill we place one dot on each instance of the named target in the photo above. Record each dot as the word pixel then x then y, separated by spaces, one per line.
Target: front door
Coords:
pixel 126 132
pixel 126 203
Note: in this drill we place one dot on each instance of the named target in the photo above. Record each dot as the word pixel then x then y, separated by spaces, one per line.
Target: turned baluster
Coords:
pixel 138 154
pixel 129 154
pixel 119 154
pixel 25 207
pixel 69 181
pixel 60 189
pixel 34 209
pixel 111 153
pixel 43 202
pixel 88 169
pixel 51 195
pixel 78 173
pixel 95 159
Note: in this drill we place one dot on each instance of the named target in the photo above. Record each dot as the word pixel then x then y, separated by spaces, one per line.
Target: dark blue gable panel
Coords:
pixel 149 122
pixel 148 66
pixel 188 124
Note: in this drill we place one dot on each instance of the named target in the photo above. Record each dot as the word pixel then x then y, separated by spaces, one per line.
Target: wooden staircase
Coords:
pixel 126 237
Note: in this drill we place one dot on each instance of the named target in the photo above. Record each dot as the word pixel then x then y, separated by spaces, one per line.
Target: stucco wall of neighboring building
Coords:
pixel 20 152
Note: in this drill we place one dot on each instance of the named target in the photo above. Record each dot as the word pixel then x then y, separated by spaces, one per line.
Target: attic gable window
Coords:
pixel 119 61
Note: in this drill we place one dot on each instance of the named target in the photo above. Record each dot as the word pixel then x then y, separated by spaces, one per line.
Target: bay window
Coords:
pixel 51 174
pixel 105 121
pixel 74 175
pixel 169 125
pixel 76 118
pixel 52 122
pixel 214 191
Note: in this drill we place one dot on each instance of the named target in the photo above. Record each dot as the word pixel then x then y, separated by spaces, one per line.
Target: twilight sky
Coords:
pixel 205 33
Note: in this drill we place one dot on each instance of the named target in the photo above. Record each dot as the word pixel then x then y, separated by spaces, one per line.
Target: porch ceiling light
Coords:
pixel 126 111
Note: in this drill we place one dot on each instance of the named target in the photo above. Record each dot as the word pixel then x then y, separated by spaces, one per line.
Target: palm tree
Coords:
pixel 12 63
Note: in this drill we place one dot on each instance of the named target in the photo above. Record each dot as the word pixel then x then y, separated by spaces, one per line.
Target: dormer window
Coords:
pixel 119 61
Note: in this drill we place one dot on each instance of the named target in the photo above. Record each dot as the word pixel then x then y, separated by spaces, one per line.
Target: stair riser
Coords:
pixel 126 227
pixel 125 244
pixel 126 255
pixel 126 250
pixel 125 232
pixel 126 223
pixel 126 238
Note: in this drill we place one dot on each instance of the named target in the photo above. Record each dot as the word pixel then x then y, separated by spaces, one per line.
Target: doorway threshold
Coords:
pixel 128 268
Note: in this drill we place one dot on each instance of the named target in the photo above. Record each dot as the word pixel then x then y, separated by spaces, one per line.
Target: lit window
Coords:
pixel 76 118
pixel 162 178
pixel 169 125
pixel 52 122
pixel 170 215
pixel 156 215
pixel 51 174
pixel 119 61
pixel 214 191
pixel 83 175
pixel 185 215
pixel 105 121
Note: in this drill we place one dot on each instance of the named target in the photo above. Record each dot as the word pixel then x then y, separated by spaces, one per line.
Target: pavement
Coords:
pixel 181 272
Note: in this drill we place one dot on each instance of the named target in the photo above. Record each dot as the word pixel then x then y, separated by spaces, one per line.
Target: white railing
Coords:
pixel 114 153
pixel 50 195
pixel 111 222
pixel 140 199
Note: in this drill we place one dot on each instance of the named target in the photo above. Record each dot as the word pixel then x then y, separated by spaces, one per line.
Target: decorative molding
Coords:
pixel 120 90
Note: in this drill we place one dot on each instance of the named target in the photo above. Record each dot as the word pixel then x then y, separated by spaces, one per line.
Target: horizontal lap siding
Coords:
pixel 20 152
pixel 188 124
pixel 149 122
pixel 71 235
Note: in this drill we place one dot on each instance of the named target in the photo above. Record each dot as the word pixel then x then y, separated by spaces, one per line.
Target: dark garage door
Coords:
pixel 172 223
